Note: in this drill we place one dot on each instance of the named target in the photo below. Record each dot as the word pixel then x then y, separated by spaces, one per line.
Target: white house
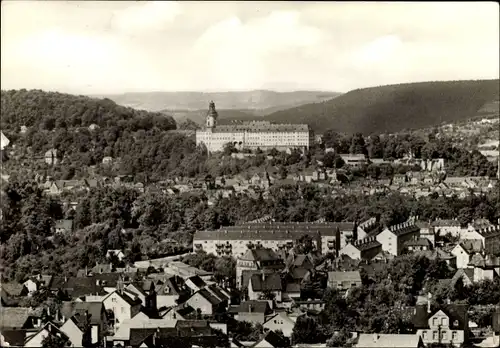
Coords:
pixel 122 305
pixel 281 321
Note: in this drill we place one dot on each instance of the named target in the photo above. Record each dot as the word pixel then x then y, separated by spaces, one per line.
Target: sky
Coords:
pixel 99 47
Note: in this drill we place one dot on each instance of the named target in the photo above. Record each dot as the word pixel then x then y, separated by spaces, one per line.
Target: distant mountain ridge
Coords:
pixel 393 108
pixel 260 101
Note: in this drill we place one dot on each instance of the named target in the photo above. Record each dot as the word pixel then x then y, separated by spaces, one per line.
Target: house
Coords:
pixel 417 244
pixel 489 236
pixel 18 318
pixel 270 339
pixel 354 160
pixel 464 250
pixel 94 311
pixel 48 329
pixel 122 305
pixel 168 292
pixel 207 302
pixel 377 340
pixel 364 249
pixel 51 157
pixel 485 267
pixel 444 227
pixel 262 285
pixel 195 283
pixel 438 254
pixel 310 305
pixel 14 289
pixel 446 324
pixel 393 238
pixel 427 231
pixel 148 299
pixel 251 311
pixel 281 321
pixel 399 179
pixel 257 259
pixel 343 281
pixel 107 160
pixel 464 274
pixel 78 330
pixel 118 253
pixel 31 285
pixel 4 141
pixel 64 226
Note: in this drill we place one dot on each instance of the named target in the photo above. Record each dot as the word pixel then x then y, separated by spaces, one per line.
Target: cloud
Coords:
pixel 378 50
pixel 146 17
pixel 237 51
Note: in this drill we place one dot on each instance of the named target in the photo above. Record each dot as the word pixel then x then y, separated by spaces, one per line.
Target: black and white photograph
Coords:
pixel 250 174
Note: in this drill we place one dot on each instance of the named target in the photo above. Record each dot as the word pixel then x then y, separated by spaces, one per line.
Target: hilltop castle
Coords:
pixel 252 135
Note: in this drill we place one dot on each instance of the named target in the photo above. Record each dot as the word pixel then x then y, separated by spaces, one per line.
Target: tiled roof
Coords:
pixel 196 280
pixel 472 245
pixel 446 223
pixel 273 231
pixel 418 242
pixel 209 296
pixel 260 254
pixel 260 127
pixel 272 339
pixel 352 276
pixel 266 282
pixel 403 228
pixel 455 312
pixel 14 338
pixel 95 309
pixel 367 243
pixel 12 288
pixel 14 317
pixel 251 307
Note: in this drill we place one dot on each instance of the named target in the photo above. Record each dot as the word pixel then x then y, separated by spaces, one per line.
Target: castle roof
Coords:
pixel 261 127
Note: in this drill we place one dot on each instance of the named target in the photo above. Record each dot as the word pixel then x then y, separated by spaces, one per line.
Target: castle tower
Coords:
pixel 212 115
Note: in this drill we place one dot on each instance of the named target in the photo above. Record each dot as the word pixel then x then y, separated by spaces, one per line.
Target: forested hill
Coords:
pixel 37 109
pixel 395 107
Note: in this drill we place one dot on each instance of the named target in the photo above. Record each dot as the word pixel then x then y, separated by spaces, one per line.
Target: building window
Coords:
pixel 443 322
pixel 435 321
pixel 424 335
pixel 454 335
pixel 435 335
pixel 444 336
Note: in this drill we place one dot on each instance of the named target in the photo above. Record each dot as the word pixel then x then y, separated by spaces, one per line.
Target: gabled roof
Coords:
pixel 94 309
pixel 196 280
pixel 208 296
pixel 13 288
pixel 472 245
pixel 272 338
pixel 259 255
pixel 52 329
pixel 352 276
pixel 251 307
pixel 14 317
pixel 486 261
pixel 457 315
pixel 266 282
pixel 124 296
pixel 14 338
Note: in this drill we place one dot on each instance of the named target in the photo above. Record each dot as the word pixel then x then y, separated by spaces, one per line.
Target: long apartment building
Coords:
pixel 236 240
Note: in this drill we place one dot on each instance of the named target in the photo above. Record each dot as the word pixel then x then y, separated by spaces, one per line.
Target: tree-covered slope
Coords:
pixel 395 107
pixel 50 110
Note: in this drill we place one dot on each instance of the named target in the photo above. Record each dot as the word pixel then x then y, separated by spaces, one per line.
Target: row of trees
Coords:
pixel 157 224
